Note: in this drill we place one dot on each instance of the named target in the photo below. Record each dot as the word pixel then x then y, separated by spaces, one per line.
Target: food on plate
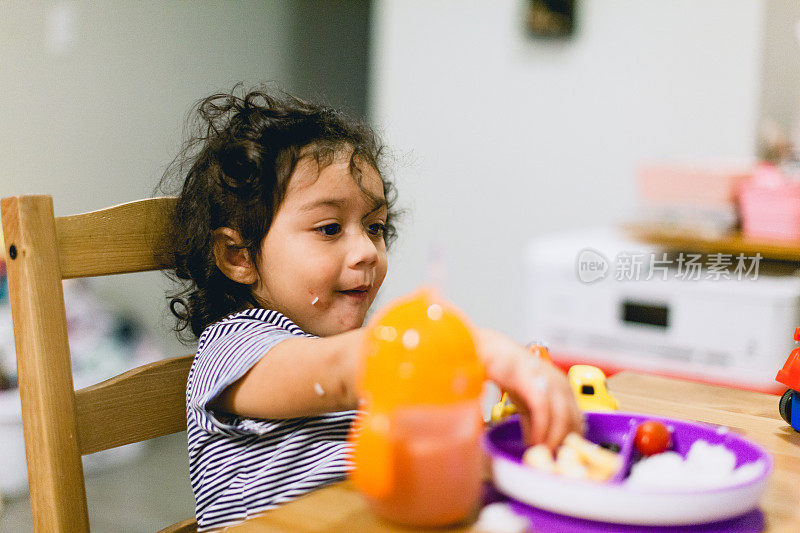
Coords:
pixel 652 437
pixel 655 466
pixel 568 463
pixel 539 457
pixel 576 458
pixel 705 466
pixel 602 463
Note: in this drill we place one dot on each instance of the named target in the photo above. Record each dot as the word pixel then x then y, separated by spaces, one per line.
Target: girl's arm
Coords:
pixel 301 376
pixel 287 383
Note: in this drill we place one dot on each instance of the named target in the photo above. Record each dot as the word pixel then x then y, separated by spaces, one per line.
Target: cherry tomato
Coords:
pixel 651 437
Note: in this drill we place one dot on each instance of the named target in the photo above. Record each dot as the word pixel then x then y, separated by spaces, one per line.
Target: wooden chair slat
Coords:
pixel 137 405
pixel 61 424
pixel 114 240
pixel 58 499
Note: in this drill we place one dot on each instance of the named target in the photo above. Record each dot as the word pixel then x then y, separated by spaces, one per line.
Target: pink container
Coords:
pixel 705 186
pixel 770 206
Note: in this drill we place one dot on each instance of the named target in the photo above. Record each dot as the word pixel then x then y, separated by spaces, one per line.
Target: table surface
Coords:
pixel 755 415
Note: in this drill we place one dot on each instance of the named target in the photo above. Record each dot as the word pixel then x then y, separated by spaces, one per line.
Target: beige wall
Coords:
pixel 94 97
pixel 499 137
pixel 502 137
pixel 780 68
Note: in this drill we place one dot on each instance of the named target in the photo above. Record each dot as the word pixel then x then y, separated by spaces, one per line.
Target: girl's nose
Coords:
pixel 363 251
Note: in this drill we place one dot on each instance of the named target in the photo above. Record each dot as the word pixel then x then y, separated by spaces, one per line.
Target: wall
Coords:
pixel 500 137
pixel 329 51
pixel 780 68
pixel 95 95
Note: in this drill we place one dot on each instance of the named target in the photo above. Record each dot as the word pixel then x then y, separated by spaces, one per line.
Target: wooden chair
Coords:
pixel 60 423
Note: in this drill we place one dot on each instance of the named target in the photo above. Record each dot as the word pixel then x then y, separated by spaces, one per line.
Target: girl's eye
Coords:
pixel 376 229
pixel 330 230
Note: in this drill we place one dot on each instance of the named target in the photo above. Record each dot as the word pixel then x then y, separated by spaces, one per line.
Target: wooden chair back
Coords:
pixel 60 423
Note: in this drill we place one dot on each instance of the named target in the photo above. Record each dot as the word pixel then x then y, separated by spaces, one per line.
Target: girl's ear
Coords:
pixel 232 259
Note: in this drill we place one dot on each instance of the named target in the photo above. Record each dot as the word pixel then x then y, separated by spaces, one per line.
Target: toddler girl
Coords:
pixel 282 225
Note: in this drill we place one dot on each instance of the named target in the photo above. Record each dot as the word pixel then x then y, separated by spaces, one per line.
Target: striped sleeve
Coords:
pixel 225 353
pixel 238 466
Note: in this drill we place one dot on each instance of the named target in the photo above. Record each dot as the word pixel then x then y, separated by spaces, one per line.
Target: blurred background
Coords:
pixel 509 123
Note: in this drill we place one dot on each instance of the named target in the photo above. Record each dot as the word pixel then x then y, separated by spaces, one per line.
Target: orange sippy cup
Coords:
pixel 417 447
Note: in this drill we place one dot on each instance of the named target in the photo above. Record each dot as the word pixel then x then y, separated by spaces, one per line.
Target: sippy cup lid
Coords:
pixel 419 350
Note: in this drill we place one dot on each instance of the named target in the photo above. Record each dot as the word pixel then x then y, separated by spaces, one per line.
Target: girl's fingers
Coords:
pixel 540 409
pixel 525 423
pixel 560 421
pixel 544 399
pixel 578 419
pixel 533 416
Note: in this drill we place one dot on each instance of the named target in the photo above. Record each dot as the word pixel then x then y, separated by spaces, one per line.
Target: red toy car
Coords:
pixel 789 375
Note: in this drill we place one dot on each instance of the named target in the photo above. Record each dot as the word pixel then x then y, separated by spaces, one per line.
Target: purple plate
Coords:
pixel 539 520
pixel 615 502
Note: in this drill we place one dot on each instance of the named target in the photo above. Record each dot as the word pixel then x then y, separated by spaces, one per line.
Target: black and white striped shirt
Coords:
pixel 240 467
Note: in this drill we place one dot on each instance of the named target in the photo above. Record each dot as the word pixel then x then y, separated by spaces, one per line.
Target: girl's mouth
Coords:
pixel 358 294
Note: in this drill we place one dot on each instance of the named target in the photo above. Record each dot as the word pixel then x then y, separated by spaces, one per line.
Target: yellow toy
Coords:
pixel 589 385
pixel 502 409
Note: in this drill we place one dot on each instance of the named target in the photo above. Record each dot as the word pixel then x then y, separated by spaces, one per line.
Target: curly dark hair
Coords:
pixel 241 152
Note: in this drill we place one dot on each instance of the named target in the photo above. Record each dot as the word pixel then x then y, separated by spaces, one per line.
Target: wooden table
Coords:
pixel 340 508
pixel 733 243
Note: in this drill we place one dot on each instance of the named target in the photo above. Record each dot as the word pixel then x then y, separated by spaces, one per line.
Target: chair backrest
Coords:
pixel 62 424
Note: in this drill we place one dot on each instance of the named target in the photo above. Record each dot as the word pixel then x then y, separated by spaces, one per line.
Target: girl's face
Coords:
pixel 324 257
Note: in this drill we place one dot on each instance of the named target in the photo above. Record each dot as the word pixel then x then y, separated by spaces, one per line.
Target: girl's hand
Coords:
pixel 544 399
